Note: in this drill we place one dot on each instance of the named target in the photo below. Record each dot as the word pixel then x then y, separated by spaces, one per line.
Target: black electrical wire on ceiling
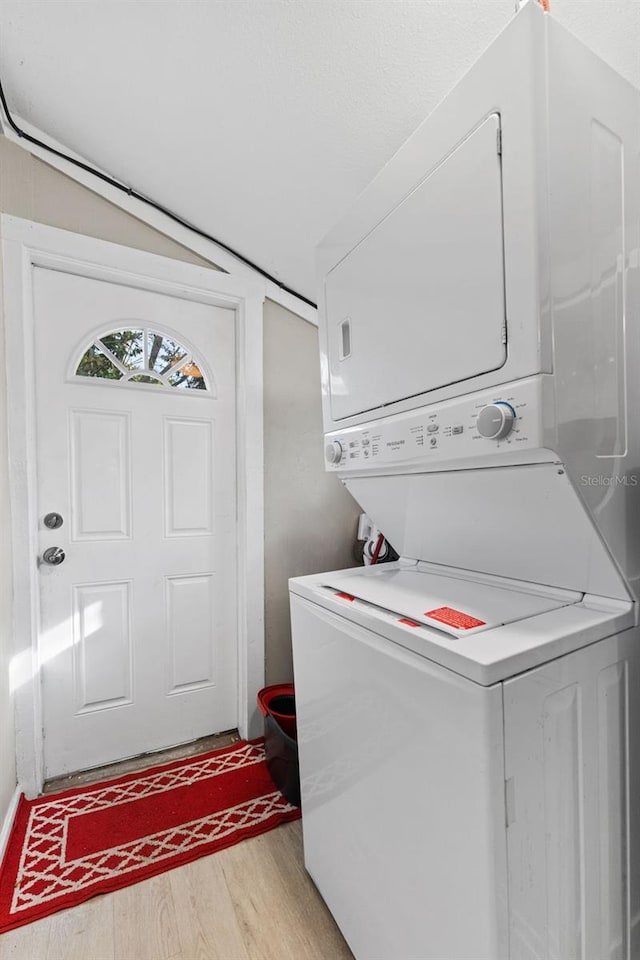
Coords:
pixel 139 196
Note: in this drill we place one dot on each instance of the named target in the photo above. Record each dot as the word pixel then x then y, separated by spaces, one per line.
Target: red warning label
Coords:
pixel 454 618
pixel 408 623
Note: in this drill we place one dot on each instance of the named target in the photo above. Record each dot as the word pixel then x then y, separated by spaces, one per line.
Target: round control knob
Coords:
pixel 333 451
pixel 496 420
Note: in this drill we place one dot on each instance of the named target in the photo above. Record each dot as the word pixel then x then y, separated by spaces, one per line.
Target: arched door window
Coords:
pixel 141 355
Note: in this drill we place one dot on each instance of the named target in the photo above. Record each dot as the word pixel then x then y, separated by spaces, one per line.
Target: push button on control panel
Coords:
pixel 432 428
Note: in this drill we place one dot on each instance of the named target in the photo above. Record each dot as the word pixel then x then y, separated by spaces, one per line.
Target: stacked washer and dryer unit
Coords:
pixel 468 716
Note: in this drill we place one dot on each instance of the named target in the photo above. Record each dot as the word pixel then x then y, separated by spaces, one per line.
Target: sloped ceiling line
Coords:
pixel 131 192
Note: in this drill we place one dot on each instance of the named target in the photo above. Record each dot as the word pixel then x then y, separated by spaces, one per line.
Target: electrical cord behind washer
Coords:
pixel 152 203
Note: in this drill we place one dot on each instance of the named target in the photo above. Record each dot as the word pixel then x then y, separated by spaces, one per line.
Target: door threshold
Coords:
pixel 215 741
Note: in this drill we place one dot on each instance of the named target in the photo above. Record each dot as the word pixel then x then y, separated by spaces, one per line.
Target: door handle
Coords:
pixel 54 556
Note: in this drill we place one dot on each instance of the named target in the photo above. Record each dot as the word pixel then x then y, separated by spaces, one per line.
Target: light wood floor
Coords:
pixel 253 901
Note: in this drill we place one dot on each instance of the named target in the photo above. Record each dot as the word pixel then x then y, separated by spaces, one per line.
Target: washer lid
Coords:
pixel 452 605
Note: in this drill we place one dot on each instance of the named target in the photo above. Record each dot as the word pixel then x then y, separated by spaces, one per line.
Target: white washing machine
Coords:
pixel 463 748
pixel 468 716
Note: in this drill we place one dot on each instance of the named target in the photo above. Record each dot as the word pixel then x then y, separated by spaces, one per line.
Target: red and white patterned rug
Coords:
pixel 68 847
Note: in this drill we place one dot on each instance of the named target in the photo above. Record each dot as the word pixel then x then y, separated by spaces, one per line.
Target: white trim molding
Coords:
pixel 207 249
pixel 7 823
pixel 26 245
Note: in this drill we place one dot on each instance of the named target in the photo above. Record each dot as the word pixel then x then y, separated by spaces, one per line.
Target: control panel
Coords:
pixel 467 427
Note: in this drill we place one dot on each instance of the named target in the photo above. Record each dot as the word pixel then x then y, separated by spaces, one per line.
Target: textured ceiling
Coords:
pixel 259 120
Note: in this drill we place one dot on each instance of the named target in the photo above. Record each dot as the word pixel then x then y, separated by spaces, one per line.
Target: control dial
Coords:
pixel 496 420
pixel 333 451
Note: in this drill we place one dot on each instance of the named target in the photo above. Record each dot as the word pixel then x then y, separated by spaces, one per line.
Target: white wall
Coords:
pixel 314 528
pixel 7 751
pixel 610 27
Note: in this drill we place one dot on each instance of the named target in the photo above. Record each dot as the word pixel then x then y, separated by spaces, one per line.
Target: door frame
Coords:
pixel 26 245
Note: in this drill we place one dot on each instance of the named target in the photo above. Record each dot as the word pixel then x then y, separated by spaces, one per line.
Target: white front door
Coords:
pixel 135 421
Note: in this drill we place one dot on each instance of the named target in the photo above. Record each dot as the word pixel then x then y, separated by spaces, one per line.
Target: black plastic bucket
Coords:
pixel 281 752
pixel 278 706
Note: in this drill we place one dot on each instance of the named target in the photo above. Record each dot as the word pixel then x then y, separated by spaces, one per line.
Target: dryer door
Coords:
pixel 419 303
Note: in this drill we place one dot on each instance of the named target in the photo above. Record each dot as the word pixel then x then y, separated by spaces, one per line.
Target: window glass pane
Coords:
pixel 127 346
pixel 166 362
pixel 143 378
pixel 95 364
pixel 188 376
pixel 164 353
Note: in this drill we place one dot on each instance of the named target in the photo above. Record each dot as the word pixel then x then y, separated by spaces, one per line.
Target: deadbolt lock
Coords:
pixel 53 521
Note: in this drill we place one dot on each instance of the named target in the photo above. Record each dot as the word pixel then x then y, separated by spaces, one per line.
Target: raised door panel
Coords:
pixel 190 632
pixel 188 477
pixel 568 726
pixel 100 469
pixel 613 749
pixel 102 650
